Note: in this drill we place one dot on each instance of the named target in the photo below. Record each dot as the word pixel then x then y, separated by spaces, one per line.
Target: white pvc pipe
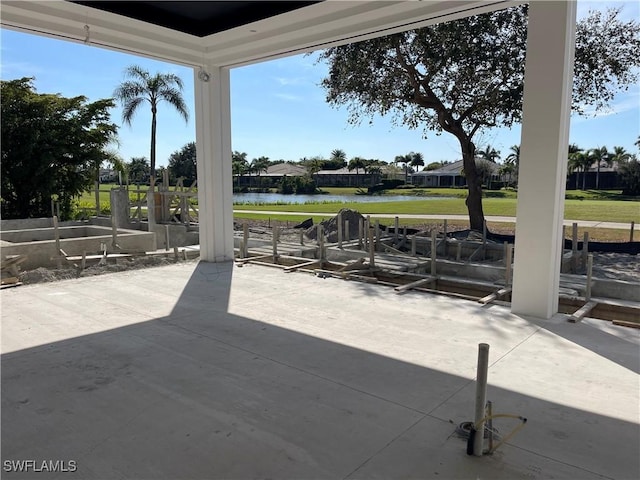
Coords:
pixel 481 398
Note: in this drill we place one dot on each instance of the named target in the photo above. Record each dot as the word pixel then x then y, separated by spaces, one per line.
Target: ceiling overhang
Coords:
pixel 310 26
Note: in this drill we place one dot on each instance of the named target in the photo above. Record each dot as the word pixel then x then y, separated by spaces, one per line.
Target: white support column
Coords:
pixel 543 159
pixel 213 144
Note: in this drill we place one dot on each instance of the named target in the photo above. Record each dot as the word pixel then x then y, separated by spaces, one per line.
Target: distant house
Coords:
pixel 609 179
pixel 273 175
pixel 344 177
pixel 108 175
pixel 449 175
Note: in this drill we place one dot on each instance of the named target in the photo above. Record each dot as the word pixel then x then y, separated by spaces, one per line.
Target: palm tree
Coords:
pixel 239 165
pixel 338 154
pixel 580 161
pixel 375 170
pixel 143 87
pixel 489 153
pixel 417 160
pixel 356 163
pixel 514 157
pixel 619 155
pixel 598 155
pixel 574 162
pixel 404 159
pixel 259 165
pixel 413 159
pixel 506 171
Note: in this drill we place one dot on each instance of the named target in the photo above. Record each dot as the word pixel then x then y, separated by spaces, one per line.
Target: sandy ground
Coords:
pixel 606 265
pixel 616 266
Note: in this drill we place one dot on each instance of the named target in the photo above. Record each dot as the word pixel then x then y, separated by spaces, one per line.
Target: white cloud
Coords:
pixel 286 81
pixel 624 103
pixel 20 69
pixel 288 97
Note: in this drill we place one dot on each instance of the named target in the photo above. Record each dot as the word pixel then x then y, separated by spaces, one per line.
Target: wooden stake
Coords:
pixel 339 230
pixel 245 239
pixel 301 237
pixel 574 248
pixel 56 235
pixel 347 231
pixel 445 236
pixel 413 246
pixel 396 227
pixel 274 241
pixel 360 233
pixel 585 249
pixel 377 245
pixel 367 227
pixel 458 251
pixel 484 240
pixel 319 234
pixel 372 260
pixel 505 247
pixel 508 266
pixel 434 254
pixel 321 245
pixel 166 237
pixel 589 273
pixel 631 232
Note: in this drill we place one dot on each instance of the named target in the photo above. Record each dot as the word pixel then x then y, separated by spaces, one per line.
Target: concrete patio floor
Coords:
pixel 214 371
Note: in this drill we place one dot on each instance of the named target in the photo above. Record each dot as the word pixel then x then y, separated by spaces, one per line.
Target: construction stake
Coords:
pixel 372 260
pixel 589 274
pixel 434 254
pixel 347 231
pixel 574 248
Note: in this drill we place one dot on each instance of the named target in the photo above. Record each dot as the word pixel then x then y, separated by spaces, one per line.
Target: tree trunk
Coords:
pixel 474 185
pixel 151 200
pixel 584 178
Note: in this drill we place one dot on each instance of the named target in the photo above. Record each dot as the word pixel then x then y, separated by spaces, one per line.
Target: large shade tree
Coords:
pixel 183 164
pixel 52 146
pixel 141 88
pixel 467 75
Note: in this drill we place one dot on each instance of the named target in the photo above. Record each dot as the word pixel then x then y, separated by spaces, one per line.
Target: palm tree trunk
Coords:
pixel 151 200
pixel 584 178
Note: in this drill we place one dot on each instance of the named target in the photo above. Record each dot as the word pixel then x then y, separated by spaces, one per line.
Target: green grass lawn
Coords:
pixel 603 210
pixel 588 205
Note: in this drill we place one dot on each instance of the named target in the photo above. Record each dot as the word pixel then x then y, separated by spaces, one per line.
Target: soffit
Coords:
pixel 307 27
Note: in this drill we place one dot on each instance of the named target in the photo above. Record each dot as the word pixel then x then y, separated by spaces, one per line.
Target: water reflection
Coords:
pixel 266 198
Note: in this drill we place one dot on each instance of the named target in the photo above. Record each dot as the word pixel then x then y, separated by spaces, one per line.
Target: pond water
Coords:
pixel 267 198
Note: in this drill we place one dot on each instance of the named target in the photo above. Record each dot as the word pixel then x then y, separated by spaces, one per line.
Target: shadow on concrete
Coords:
pixel 202 393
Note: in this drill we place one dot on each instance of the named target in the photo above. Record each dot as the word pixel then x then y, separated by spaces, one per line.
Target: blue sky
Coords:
pixel 277 108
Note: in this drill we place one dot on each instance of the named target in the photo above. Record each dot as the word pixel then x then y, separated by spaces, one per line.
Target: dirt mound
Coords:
pixel 331 226
pixel 43 275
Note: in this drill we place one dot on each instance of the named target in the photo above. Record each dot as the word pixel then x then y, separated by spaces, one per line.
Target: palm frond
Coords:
pixel 174 98
pixel 129 109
